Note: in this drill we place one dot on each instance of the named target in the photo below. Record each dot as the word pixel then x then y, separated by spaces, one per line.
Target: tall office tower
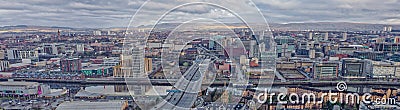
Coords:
pixel 344 36
pixel 4 65
pixel 53 48
pixel 2 54
pixel 253 48
pixel 58 33
pixel 125 69
pixel 389 28
pixel 267 51
pixel 148 62
pixel 97 33
pixel 395 40
pixel 80 48
pixel 326 38
pixel 310 35
pixel 311 53
pixel 138 62
pixel 132 64
pixel 13 53
pixel 286 52
pixel 310 45
pixel 284 46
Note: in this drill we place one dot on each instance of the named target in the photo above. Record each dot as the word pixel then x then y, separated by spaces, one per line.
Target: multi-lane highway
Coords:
pixel 188 87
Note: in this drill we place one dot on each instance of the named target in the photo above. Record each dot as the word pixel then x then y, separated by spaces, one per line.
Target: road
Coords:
pixel 189 86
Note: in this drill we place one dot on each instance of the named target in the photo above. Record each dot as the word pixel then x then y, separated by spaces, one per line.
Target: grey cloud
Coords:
pixel 117 13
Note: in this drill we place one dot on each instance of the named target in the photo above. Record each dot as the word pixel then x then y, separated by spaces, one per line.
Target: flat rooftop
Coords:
pixel 18 83
pixel 291 74
pixel 85 105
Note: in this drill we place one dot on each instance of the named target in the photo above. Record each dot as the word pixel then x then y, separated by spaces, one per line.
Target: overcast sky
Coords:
pixel 118 13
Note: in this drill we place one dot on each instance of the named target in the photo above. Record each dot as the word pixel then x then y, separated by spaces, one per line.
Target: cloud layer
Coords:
pixel 117 13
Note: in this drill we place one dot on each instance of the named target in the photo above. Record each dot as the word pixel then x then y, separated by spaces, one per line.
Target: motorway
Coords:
pixel 188 88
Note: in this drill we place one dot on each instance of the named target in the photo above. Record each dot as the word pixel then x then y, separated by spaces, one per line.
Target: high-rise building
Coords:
pixel 80 48
pixel 387 29
pixel 268 58
pixel 148 62
pixel 344 36
pixel 2 54
pixel 15 53
pixel 58 33
pixel 326 38
pixel 97 33
pixel 253 48
pixel 310 35
pixel 71 65
pixel 132 64
pixel 4 65
pixel 26 54
pixel 53 48
pixel 243 60
pixel 12 54
pixel 396 39
pixel 125 69
pixel 138 62
pixel 284 46
pixel 311 53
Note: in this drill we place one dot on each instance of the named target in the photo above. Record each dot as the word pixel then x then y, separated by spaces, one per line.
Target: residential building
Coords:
pixel 4 65
pixel 71 65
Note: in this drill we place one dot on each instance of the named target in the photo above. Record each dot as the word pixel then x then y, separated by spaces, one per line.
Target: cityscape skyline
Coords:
pixel 199 54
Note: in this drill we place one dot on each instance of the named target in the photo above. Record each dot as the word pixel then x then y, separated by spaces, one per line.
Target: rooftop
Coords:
pixel 18 83
pixel 84 105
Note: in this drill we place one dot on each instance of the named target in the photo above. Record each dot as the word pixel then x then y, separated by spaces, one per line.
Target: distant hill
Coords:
pixel 31 28
pixel 332 26
pixel 322 26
